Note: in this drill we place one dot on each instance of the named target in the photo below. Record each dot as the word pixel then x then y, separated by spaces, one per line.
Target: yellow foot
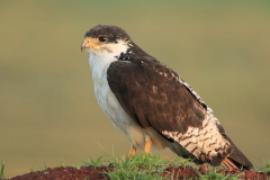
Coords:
pixel 148 145
pixel 132 152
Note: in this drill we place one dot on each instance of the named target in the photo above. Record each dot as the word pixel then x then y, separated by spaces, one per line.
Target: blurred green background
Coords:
pixel 48 113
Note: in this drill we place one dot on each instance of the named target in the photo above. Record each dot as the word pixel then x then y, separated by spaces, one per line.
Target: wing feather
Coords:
pixel 154 96
pixel 151 94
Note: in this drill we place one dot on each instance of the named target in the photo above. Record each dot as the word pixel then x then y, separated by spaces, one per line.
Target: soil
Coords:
pixel 100 173
pixel 67 173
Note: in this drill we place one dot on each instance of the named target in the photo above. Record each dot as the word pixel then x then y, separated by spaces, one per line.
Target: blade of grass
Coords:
pixel 2 170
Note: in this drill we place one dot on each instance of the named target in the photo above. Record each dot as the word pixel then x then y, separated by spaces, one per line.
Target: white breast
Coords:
pixel 99 62
pixel 105 97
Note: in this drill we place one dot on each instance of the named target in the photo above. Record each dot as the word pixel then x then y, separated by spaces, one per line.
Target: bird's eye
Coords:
pixel 102 38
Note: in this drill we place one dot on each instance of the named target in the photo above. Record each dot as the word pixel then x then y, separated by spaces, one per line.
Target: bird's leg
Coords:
pixel 148 145
pixel 132 152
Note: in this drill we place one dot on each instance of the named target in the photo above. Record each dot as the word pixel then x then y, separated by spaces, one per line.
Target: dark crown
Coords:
pixel 108 33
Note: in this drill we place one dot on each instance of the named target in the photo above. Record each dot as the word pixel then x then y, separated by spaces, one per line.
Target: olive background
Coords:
pixel 48 113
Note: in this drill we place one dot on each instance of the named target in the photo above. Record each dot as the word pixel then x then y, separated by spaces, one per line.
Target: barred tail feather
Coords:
pixel 238 159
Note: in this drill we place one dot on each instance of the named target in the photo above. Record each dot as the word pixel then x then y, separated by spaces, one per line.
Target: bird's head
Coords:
pixel 105 39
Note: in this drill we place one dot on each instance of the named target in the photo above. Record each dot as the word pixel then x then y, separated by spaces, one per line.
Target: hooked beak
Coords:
pixel 90 42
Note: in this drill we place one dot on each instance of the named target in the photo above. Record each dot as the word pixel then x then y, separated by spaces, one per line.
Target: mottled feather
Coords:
pixel 154 96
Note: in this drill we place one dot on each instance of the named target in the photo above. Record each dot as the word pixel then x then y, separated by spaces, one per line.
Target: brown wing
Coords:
pixel 153 96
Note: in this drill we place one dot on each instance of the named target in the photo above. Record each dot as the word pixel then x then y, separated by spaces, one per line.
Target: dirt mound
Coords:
pixel 100 173
pixel 180 173
pixel 250 175
pixel 67 173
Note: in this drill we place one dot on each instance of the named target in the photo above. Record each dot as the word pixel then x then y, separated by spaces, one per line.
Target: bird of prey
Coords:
pixel 152 105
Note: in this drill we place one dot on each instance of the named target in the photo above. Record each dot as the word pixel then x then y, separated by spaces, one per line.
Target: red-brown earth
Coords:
pixel 100 173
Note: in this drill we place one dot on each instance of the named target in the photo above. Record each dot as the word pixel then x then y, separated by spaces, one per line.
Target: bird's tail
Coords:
pixel 237 160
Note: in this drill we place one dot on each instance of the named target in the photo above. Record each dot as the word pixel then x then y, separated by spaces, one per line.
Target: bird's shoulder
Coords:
pixel 139 63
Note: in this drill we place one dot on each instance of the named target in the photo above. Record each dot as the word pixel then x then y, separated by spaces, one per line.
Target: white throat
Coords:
pixel 100 59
